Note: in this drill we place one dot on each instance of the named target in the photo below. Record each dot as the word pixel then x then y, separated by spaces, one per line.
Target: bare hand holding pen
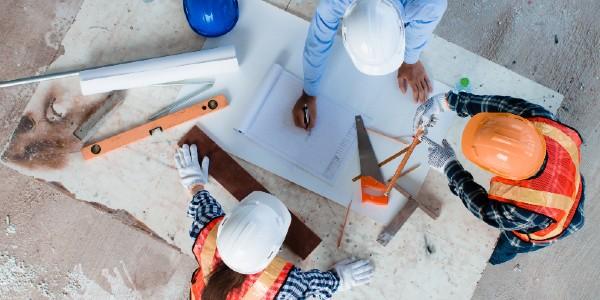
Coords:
pixel 305 103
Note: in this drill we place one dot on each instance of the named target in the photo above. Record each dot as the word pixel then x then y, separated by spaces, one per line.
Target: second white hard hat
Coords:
pixel 249 238
pixel 373 35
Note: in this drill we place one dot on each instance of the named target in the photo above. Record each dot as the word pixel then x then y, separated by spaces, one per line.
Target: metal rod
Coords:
pixel 180 103
pixel 40 78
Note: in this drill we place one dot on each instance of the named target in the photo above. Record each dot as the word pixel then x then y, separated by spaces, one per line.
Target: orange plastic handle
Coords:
pixel 373 191
pixel 161 124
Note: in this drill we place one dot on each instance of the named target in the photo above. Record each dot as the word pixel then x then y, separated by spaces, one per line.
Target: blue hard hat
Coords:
pixel 211 18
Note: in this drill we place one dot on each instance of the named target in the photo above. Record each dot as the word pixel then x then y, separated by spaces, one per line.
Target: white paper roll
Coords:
pixel 198 64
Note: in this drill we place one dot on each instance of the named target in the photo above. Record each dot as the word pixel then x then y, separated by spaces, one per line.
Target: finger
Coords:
pixel 415 89
pixel 362 272
pixel 177 160
pixel 446 144
pixel 298 116
pixel 359 264
pixel 194 153
pixel 428 141
pixel 186 153
pixel 428 84
pixel 363 280
pixel 364 275
pixel 422 93
pixel 181 157
pixel 403 84
pixel 312 114
pixel 205 164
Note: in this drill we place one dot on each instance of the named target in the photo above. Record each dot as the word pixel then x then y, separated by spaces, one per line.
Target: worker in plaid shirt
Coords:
pixel 510 205
pixel 232 273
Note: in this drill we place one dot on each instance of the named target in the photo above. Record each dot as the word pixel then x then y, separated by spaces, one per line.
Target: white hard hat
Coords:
pixel 373 35
pixel 250 237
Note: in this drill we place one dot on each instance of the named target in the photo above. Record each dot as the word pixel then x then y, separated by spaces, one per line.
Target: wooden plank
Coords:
pixel 233 177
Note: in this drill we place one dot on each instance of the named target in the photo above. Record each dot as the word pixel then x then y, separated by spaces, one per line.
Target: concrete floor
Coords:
pixel 552 42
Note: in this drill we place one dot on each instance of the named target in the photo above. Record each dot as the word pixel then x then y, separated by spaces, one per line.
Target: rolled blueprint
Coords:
pixel 197 64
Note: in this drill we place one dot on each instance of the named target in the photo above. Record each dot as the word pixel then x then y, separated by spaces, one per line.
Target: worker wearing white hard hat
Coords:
pixel 380 36
pixel 237 253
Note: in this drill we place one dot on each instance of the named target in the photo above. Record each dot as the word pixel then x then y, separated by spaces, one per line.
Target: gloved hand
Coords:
pixel 439 155
pixel 190 171
pixel 427 113
pixel 353 272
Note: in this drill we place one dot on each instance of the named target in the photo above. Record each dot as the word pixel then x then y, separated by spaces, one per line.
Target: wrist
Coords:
pixel 194 189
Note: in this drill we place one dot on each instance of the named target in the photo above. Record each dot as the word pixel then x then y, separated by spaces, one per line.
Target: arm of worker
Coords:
pixel 345 275
pixel 466 104
pixel 500 215
pixel 319 40
pixel 421 18
pixel 475 198
pixel 203 208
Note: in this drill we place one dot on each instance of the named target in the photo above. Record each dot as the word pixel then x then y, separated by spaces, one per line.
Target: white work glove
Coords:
pixel 439 155
pixel 427 113
pixel 353 272
pixel 190 171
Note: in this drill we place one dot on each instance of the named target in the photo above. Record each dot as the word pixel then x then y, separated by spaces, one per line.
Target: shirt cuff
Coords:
pixel 310 89
pixel 453 100
pixel 411 57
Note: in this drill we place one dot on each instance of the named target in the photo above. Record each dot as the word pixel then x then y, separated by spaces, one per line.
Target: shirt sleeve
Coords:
pixel 319 40
pixel 313 284
pixel 422 17
pixel 466 104
pixel 203 209
pixel 500 215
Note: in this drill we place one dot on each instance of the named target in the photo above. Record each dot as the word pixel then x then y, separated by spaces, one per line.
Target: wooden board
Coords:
pixel 300 239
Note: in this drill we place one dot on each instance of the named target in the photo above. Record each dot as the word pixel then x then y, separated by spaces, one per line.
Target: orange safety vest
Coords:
pixel 263 285
pixel 555 192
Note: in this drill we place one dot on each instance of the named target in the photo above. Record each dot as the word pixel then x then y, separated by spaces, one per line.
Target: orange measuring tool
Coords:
pixel 202 108
pixel 416 140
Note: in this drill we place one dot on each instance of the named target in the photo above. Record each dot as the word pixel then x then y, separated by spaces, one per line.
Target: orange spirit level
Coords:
pixel 161 124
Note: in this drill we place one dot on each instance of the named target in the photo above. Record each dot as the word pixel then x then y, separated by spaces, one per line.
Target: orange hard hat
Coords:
pixel 505 144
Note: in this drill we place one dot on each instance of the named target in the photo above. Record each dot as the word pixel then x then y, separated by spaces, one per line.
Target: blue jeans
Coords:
pixel 504 251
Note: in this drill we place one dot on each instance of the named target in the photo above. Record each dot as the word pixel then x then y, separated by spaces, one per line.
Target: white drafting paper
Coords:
pixel 269 124
pixel 259 45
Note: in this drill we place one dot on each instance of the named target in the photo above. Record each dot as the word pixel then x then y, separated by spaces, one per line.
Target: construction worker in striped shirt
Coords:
pixel 237 254
pixel 537 194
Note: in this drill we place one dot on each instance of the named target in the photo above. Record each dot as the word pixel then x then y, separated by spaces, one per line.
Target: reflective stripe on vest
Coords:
pixel 263 285
pixel 528 194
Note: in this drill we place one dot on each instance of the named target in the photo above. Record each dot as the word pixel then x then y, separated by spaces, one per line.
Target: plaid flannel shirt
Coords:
pixel 503 216
pixel 299 284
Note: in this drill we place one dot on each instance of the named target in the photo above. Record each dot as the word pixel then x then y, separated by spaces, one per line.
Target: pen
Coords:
pixel 306 118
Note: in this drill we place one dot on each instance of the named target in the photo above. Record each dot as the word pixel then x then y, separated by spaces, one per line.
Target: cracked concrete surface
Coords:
pixel 552 42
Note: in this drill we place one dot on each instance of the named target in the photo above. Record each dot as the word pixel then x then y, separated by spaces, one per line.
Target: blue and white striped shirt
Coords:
pixel 299 284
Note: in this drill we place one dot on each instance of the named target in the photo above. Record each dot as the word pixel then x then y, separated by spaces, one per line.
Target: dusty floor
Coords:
pixel 552 42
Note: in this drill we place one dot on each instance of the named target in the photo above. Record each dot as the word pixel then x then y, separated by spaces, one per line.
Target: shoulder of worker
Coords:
pixel 423 9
